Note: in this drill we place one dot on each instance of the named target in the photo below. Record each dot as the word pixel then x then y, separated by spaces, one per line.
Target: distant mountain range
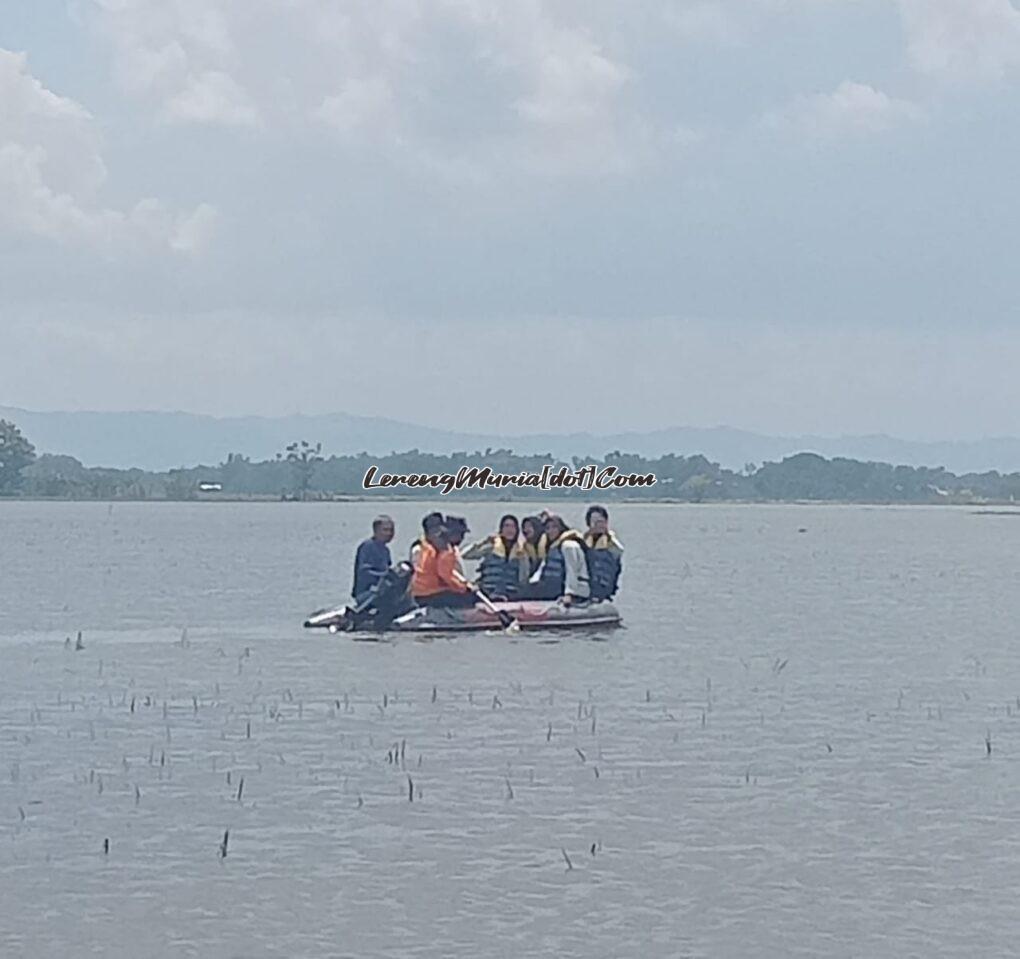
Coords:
pixel 161 441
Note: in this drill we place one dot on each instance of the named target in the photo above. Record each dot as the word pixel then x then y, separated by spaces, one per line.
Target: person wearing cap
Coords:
pixel 372 560
pixel 604 552
pixel 505 565
pixel 563 574
pixel 436 581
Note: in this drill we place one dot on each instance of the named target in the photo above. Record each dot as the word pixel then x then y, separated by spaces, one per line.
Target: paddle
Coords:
pixel 508 622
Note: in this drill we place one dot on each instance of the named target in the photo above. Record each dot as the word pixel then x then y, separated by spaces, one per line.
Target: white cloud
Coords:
pixel 52 170
pixel 212 97
pixel 390 73
pixel 573 81
pixel 962 39
pixel 179 55
pixel 360 104
pixel 852 109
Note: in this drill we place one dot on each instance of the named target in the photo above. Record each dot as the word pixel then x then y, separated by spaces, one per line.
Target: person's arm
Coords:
pixel 615 545
pixel 478 550
pixel 576 584
pixel 358 587
pixel 446 570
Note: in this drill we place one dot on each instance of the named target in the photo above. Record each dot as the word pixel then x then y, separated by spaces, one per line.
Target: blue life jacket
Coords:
pixel 604 566
pixel 499 574
pixel 554 570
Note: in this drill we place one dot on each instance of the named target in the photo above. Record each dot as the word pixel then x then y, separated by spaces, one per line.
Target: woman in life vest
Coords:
pixel 563 574
pixel 605 554
pixel 535 542
pixel 505 566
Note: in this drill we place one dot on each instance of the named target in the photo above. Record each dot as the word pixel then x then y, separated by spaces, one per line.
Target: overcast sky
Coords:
pixel 784 215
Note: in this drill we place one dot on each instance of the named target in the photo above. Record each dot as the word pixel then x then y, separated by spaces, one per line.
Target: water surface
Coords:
pixel 784 753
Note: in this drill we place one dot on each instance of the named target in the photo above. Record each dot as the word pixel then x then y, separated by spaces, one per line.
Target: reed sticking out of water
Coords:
pixel 240 789
pixel 223 845
pixel 509 788
pixel 78 644
pixel 566 859
pixel 410 789
pixel 138 796
pixel 361 801
pixel 434 694
pixel 496 704
pixel 988 743
pixel 247 730
pixel 548 733
pixel 106 847
pixel 584 758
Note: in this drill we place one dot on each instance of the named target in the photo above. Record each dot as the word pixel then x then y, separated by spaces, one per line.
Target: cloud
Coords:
pixel 574 82
pixel 852 109
pixel 52 171
pixel 361 103
pixel 450 84
pixel 212 97
pixel 962 39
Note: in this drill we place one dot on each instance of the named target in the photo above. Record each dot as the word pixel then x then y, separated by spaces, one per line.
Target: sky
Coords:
pixel 790 216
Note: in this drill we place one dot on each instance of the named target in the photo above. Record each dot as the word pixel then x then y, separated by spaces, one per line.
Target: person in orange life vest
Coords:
pixel 436 581
pixel 429 520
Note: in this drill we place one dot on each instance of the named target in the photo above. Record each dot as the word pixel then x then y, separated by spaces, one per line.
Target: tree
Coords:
pixel 15 454
pixel 303 457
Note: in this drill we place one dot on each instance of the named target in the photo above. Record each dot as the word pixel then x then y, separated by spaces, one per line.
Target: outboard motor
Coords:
pixel 388 599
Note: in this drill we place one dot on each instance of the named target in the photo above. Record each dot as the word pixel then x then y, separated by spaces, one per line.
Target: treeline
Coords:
pixel 302 472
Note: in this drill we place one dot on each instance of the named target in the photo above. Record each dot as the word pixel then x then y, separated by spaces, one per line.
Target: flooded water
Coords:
pixel 805 741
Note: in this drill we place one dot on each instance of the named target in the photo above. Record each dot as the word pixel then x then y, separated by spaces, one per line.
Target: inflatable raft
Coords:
pixel 531 615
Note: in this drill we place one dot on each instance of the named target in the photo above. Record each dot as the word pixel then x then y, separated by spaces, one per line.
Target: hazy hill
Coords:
pixel 159 441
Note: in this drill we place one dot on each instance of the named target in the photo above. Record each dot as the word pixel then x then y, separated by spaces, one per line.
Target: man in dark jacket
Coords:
pixel 372 560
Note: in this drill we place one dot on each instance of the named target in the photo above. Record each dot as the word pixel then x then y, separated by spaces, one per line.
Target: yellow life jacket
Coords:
pixel 605 541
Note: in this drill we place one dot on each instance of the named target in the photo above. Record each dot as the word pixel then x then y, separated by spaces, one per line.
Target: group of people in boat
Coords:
pixel 537 558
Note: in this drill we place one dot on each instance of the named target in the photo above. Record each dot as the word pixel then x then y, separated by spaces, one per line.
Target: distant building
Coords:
pixel 210 487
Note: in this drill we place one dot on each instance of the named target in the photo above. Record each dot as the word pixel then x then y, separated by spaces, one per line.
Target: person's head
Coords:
pixel 531 527
pixel 456 530
pixel 383 528
pixel 597 519
pixel 554 527
pixel 431 519
pixel 509 527
pixel 436 536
